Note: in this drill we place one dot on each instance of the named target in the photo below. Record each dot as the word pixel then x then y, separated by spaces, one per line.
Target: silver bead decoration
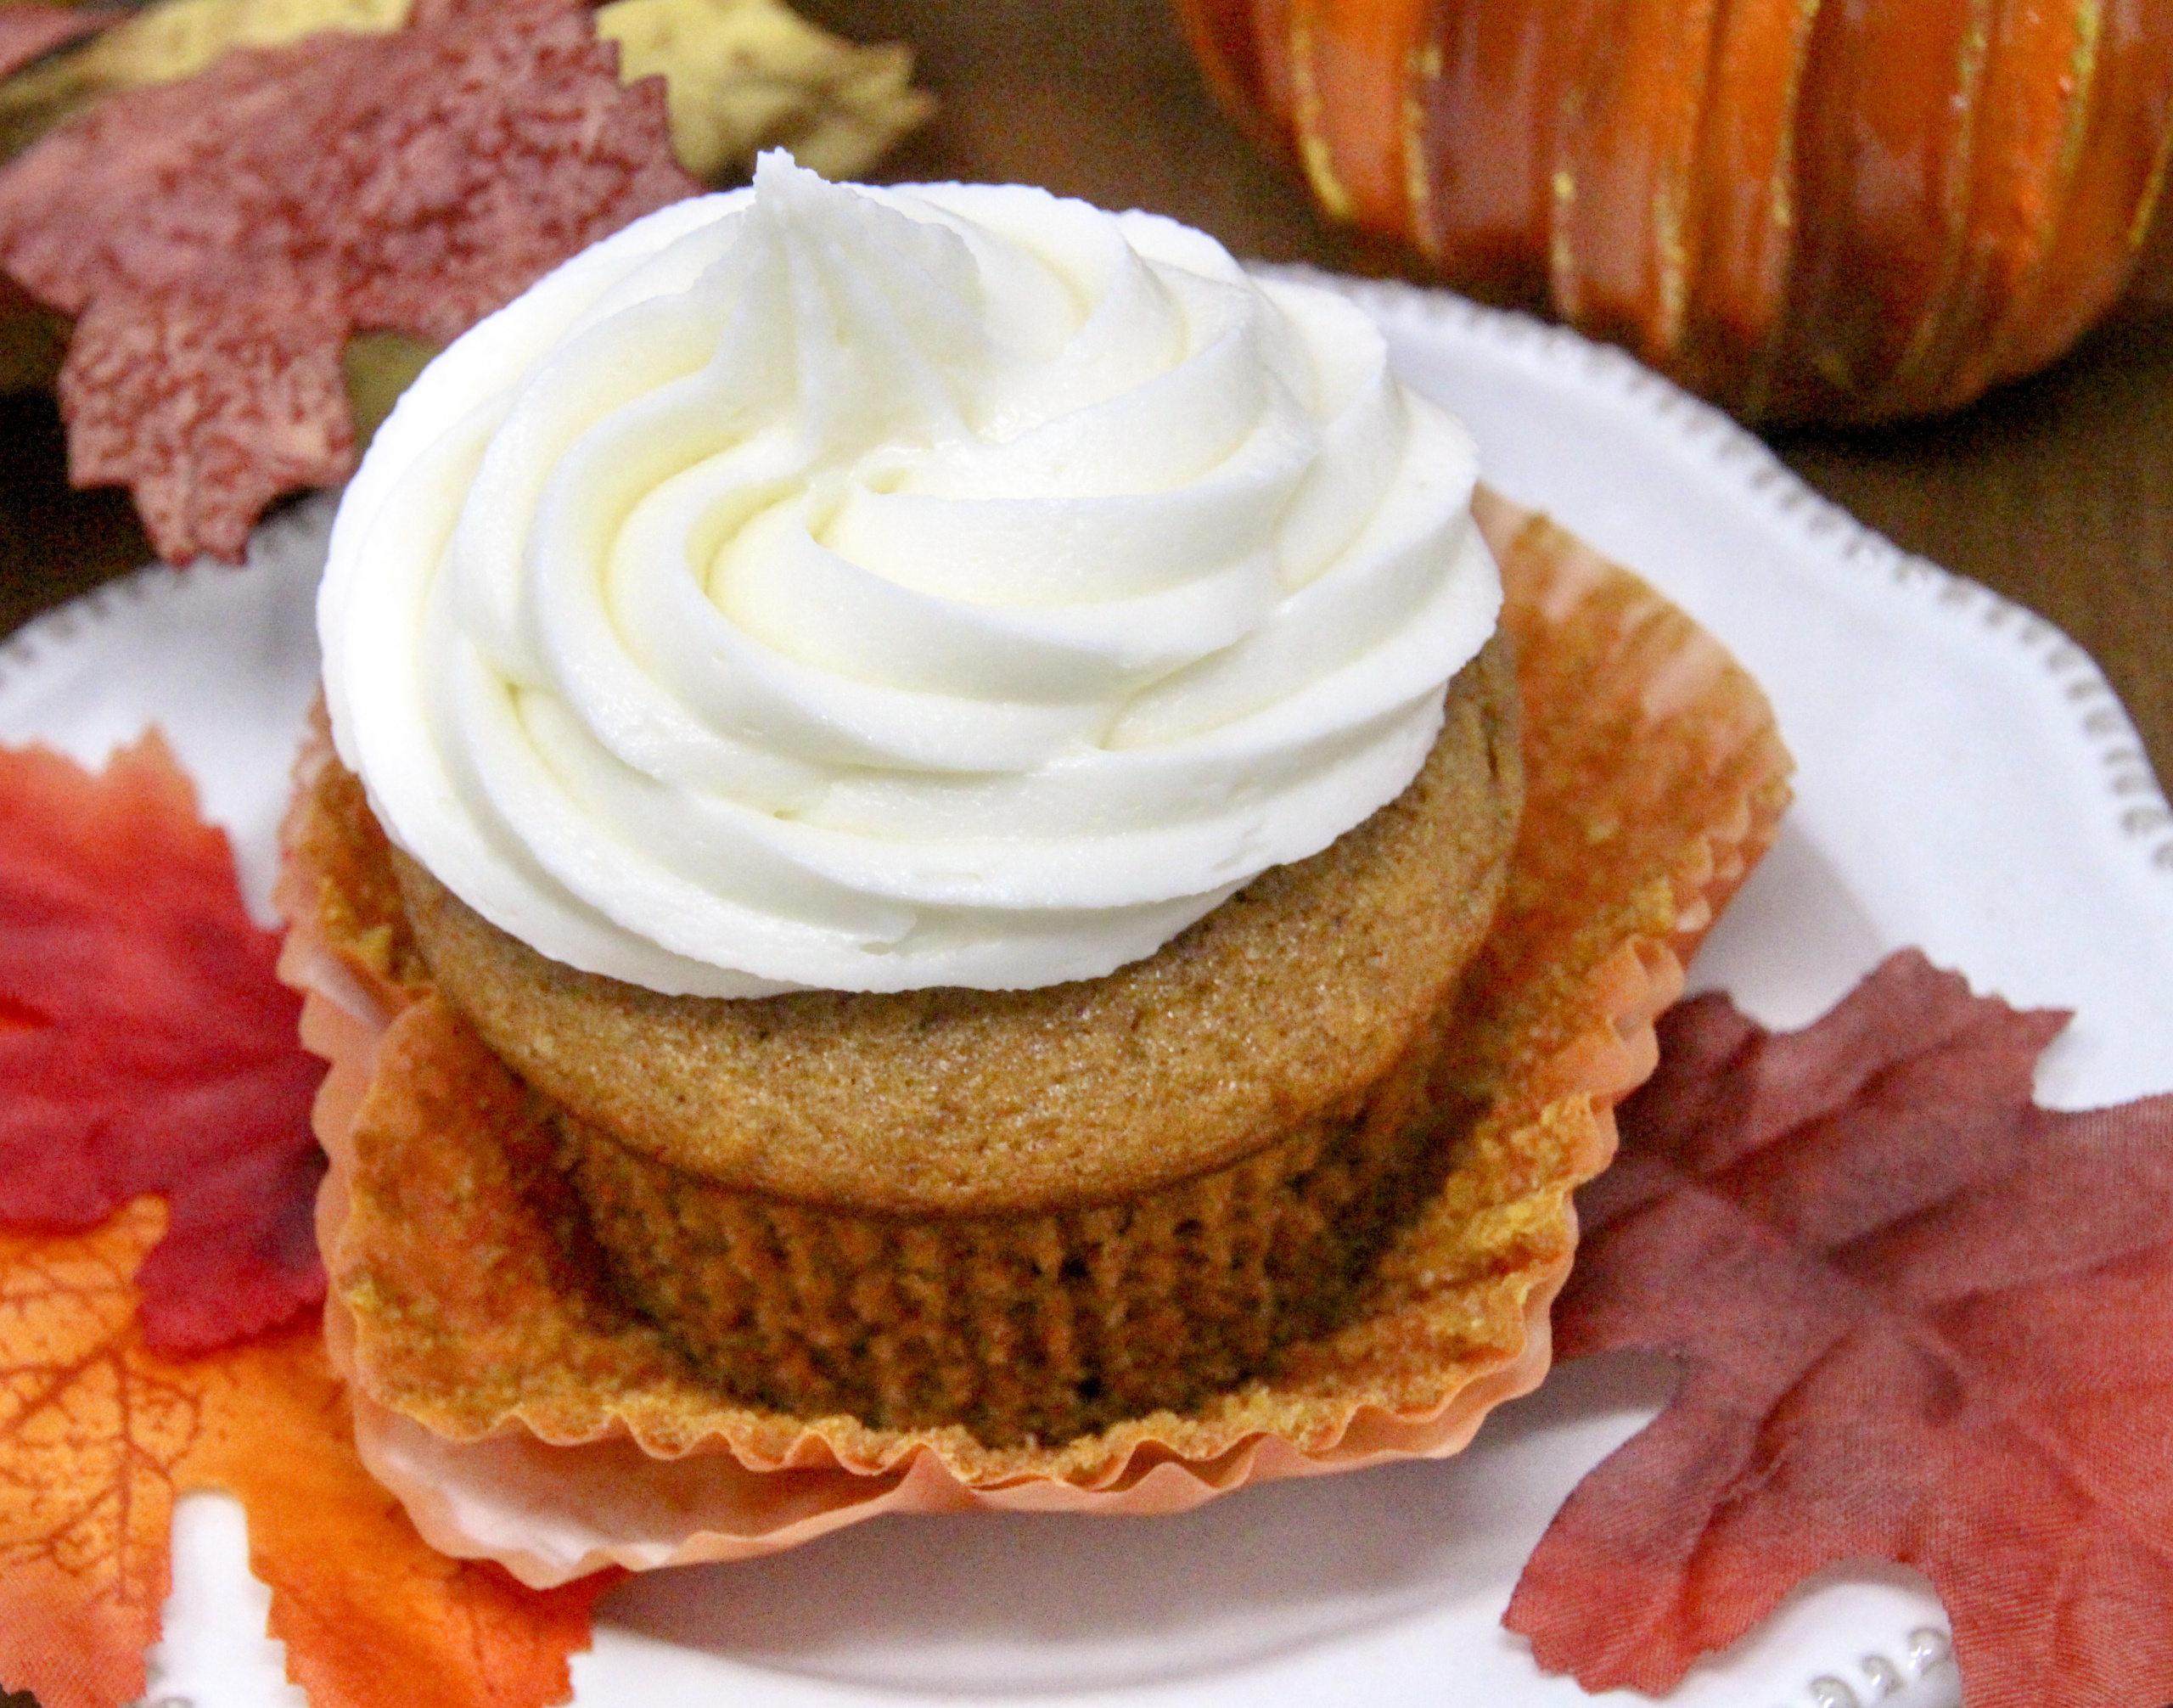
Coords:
pixel 1930 1647
pixel 1923 1678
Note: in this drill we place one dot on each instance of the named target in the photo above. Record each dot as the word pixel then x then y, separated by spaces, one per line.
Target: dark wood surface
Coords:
pixel 2058 492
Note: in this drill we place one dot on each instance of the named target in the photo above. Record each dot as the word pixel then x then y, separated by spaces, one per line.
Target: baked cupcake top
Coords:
pixel 882 589
pixel 1280 1013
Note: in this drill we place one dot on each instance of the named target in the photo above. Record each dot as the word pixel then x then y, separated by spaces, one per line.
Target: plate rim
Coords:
pixel 2137 813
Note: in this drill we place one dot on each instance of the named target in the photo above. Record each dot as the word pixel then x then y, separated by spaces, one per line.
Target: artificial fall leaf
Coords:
pixel 748 75
pixel 99 1437
pixel 1922 1320
pixel 28 32
pixel 218 239
pixel 164 43
pixel 147 1045
pixel 159 43
pixel 743 75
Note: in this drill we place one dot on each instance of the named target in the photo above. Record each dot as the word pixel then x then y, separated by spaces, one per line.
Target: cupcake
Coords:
pixel 955 747
pixel 943 873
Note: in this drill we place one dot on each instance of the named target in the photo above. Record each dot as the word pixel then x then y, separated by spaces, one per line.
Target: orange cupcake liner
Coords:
pixel 521 1417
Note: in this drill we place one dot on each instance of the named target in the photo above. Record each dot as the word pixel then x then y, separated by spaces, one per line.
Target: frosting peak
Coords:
pixel 869 589
pixel 870 322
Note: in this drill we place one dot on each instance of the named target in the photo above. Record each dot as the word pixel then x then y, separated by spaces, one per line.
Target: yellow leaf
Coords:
pixel 179 38
pixel 746 75
pixel 376 368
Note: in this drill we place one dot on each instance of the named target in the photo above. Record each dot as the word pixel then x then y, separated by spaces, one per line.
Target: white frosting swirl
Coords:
pixel 878 589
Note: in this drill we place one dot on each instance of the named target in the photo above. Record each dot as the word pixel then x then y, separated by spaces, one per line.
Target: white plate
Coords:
pixel 1968 783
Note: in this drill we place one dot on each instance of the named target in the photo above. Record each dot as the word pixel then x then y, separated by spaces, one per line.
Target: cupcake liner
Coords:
pixel 519 1416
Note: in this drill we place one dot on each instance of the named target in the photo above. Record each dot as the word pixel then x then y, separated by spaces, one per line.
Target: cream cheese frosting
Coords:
pixel 876 588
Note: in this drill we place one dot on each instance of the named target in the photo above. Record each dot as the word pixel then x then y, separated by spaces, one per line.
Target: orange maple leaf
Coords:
pixel 98 1438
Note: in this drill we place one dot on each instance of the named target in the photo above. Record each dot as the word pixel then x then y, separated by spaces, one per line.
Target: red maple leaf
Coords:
pixel 147 1045
pixel 1924 1320
pixel 218 239
pixel 27 31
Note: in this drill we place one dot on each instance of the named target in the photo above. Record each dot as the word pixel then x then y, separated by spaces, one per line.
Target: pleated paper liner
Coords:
pixel 520 1414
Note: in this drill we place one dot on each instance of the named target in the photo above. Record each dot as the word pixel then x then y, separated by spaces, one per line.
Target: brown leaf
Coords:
pixel 1924 1320
pixel 218 239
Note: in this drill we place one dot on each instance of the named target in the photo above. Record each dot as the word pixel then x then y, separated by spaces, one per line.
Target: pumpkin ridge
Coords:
pixel 1739 175
pixel 1762 326
pixel 2019 175
pixel 1352 62
pixel 2107 213
pixel 1564 280
pixel 2078 109
pixel 1938 308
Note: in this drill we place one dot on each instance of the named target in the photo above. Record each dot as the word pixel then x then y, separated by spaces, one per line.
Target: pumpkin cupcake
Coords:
pixel 523 1412
pixel 957 739
pixel 904 881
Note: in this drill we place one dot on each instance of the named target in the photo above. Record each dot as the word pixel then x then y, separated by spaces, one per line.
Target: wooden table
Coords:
pixel 2059 492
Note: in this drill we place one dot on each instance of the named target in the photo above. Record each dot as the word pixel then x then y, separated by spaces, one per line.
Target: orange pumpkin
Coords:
pixel 1835 209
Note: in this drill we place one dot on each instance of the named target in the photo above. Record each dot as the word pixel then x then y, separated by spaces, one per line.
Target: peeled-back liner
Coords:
pixel 518 1417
